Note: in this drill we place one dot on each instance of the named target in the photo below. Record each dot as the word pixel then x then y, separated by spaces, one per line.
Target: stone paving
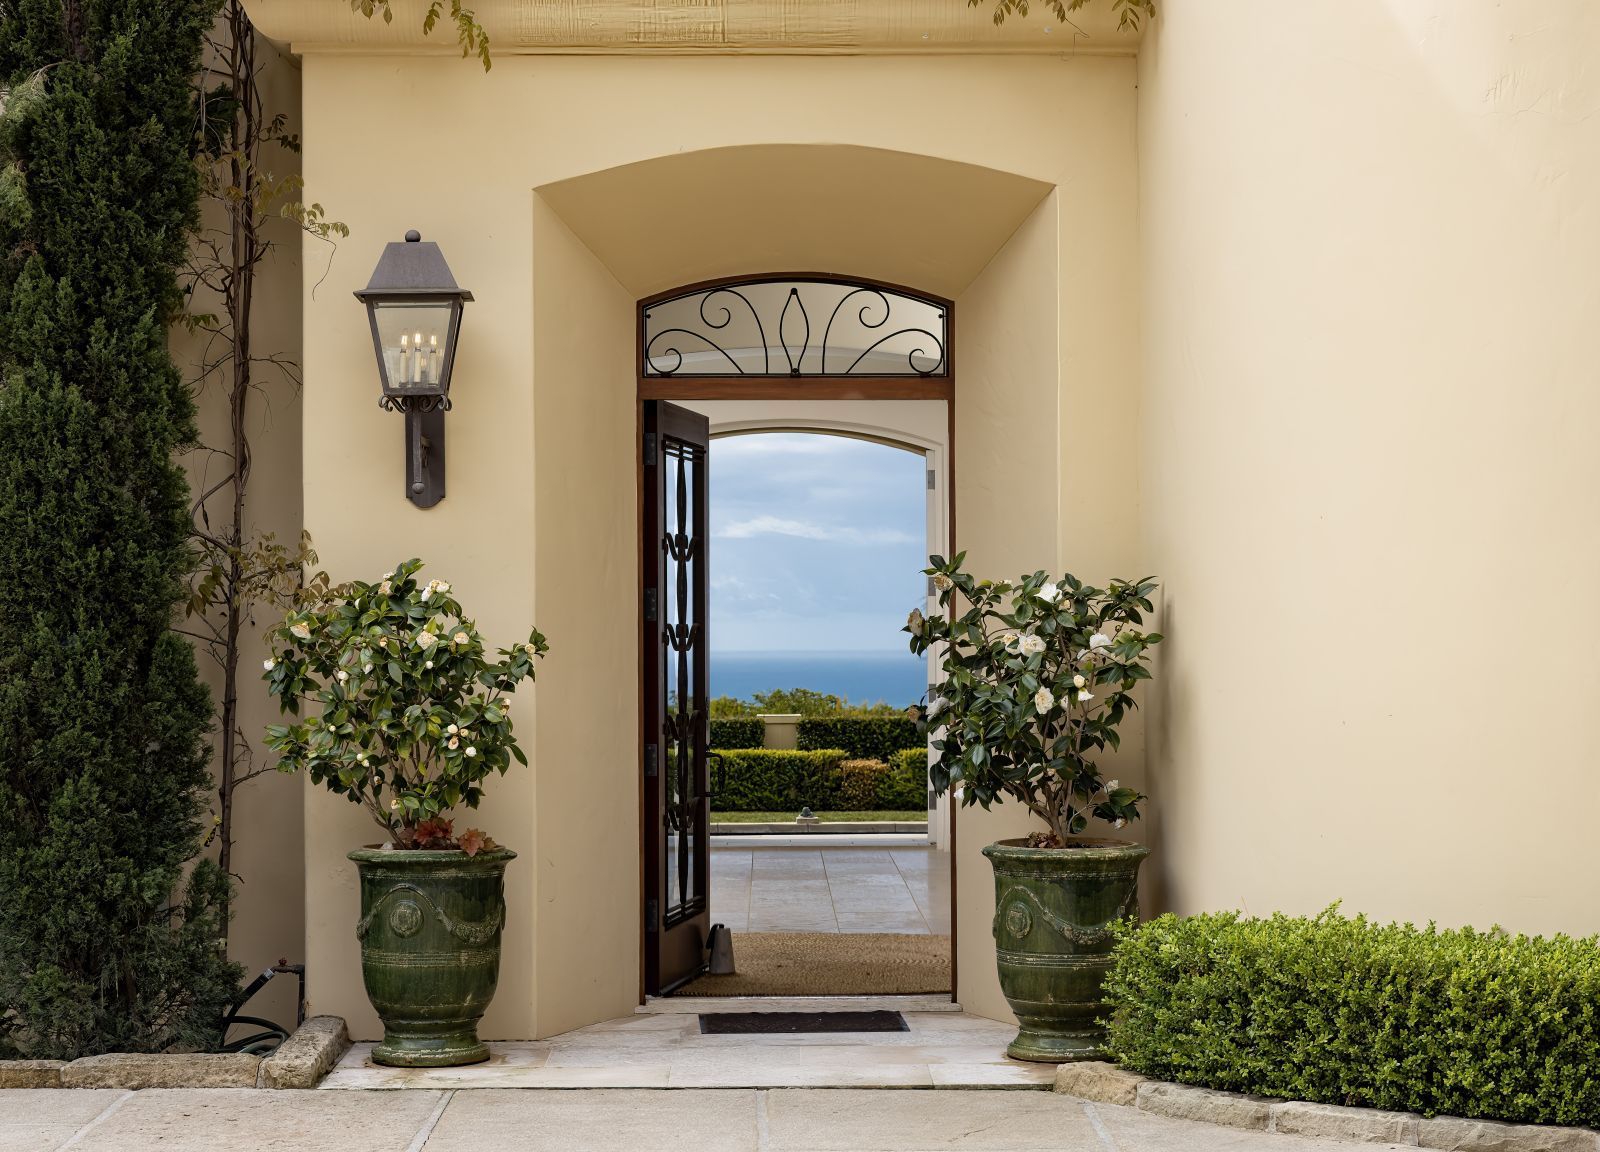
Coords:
pixel 502 1120
pixel 825 889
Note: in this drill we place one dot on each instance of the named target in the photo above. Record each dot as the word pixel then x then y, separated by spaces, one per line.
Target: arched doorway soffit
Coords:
pixel 814 426
pixel 901 217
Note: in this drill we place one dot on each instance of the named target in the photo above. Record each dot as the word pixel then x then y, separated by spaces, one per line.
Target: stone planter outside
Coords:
pixel 430 950
pixel 1054 912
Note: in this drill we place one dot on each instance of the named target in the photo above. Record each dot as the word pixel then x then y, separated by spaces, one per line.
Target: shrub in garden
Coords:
pixel 737 732
pixel 906 786
pixel 863 737
pixel 773 780
pixel 861 782
pixel 108 928
pixel 1345 1011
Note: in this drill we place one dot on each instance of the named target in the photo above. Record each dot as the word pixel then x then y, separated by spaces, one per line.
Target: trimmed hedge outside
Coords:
pixel 827 780
pixel 1340 1011
pixel 737 732
pixel 909 779
pixel 862 737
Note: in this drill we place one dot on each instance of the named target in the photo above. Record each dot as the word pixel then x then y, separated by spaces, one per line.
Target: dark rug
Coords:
pixel 769 1023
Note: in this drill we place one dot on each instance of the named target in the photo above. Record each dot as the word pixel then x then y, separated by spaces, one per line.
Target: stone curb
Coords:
pixel 31 1073
pixel 1108 1084
pixel 303 1060
pixel 307 1056
pixel 163 1070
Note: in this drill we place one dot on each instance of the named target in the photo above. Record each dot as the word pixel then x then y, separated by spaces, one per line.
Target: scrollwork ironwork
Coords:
pixel 850 333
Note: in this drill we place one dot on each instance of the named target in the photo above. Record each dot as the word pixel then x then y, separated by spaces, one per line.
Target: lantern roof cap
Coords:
pixel 414 267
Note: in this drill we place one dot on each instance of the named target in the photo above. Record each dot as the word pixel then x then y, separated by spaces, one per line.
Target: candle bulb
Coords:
pixel 433 359
pixel 416 370
pixel 400 376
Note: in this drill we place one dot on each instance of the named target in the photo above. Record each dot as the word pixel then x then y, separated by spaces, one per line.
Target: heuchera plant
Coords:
pixel 411 714
pixel 1038 674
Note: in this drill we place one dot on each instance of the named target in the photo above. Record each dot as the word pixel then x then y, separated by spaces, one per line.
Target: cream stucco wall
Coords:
pixel 539 523
pixel 1371 230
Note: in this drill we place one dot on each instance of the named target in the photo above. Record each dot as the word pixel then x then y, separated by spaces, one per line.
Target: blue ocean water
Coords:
pixel 862 677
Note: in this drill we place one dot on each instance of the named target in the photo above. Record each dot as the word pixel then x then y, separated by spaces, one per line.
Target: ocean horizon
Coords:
pixel 898 679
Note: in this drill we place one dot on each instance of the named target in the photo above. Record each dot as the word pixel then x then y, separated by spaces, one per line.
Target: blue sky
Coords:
pixel 816 543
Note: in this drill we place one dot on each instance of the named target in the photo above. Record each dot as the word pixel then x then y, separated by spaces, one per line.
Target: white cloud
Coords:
pixel 805 530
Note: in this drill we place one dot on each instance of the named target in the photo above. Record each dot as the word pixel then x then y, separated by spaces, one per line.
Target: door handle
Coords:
pixel 720 781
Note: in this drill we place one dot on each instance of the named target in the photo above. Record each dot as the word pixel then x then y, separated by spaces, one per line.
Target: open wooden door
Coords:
pixel 677 853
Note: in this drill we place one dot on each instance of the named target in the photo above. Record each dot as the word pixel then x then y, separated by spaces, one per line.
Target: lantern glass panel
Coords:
pixel 414 339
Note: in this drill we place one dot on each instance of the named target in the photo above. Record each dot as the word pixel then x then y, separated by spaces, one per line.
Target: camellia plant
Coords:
pixel 412 715
pixel 1038 674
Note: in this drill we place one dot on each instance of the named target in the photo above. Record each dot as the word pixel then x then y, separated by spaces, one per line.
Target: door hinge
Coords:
pixel 649 449
pixel 933 479
pixel 652 757
pixel 650 914
pixel 650 608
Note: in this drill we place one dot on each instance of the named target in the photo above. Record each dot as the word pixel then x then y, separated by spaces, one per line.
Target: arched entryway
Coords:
pixel 757 353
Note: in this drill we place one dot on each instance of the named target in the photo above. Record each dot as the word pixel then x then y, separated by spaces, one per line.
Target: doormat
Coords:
pixel 788 1023
pixel 831 964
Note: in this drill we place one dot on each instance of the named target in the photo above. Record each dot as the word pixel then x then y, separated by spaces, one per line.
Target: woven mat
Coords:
pixel 831 964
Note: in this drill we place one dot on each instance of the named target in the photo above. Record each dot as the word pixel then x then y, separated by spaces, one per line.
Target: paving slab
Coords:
pixel 42 1119
pixel 847 1120
pixel 636 1121
pixel 222 1119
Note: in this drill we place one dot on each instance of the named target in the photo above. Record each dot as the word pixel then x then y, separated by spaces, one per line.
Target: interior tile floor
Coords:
pixel 661 1046
pixel 762 889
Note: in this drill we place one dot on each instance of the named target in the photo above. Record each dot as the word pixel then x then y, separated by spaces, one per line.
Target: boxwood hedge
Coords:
pixel 737 732
pixel 1345 1011
pixel 863 737
pixel 826 780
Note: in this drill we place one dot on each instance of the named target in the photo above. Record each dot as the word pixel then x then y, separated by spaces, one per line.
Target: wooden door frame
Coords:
pixel 796 388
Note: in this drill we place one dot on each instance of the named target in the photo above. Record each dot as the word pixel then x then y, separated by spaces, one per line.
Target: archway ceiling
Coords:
pixel 917 220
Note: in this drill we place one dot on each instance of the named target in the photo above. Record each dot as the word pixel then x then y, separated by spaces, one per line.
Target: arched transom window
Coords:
pixel 805 326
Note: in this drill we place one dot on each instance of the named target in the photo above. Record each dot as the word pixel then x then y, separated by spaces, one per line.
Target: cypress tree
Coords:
pixel 109 920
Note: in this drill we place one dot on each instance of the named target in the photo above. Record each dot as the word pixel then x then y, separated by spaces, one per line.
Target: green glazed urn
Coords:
pixel 1054 914
pixel 430 950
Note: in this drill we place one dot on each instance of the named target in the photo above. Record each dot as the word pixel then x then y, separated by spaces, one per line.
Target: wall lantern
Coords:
pixel 415 307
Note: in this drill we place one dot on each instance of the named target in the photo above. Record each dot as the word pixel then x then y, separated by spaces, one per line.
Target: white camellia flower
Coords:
pixel 470 752
pixel 1084 695
pixel 268 665
pixel 939 705
pixel 426 640
pixel 452 729
pixel 302 631
pixel 460 638
pixel 428 664
pixel 1078 682
pixel 1113 785
pixel 454 742
pixel 342 675
pixel 367 667
pixel 1118 822
pixel 1044 700
pixel 1099 640
pixel 1030 645
pixel 386 588
pixel 530 649
pixel 1049 593
pixel 942 582
pixel 394 805
pixel 443 587
pixel 427 594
